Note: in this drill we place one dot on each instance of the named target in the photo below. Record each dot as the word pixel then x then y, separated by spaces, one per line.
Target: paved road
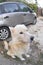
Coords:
pixel 35 56
pixel 38 31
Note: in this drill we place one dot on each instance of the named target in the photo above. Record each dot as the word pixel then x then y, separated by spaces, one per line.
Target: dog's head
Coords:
pixel 22 34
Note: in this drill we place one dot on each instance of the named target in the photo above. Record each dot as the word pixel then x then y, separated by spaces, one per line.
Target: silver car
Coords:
pixel 13 13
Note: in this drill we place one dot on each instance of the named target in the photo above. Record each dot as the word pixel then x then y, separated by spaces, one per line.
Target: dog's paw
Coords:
pixel 27 55
pixel 22 59
pixel 13 56
pixel 8 53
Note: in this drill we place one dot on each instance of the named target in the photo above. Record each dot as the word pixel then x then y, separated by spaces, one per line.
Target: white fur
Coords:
pixel 20 43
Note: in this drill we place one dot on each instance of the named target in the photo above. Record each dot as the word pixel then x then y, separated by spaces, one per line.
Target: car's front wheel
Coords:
pixel 34 22
pixel 4 33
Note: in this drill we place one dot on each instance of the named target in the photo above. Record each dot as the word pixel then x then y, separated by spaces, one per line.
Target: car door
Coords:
pixel 1 16
pixel 27 13
pixel 12 16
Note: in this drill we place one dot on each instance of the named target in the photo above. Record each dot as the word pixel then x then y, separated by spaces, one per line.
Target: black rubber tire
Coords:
pixel 9 33
pixel 34 22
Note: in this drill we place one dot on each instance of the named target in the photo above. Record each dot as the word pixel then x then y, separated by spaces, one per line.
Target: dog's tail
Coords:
pixel 6 45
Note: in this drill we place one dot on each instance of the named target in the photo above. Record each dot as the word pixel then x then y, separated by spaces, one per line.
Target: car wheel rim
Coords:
pixel 3 34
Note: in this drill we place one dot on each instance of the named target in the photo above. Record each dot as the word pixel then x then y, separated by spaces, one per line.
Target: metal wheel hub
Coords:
pixel 3 34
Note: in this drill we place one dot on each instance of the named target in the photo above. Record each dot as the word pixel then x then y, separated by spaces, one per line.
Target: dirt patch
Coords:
pixel 1 46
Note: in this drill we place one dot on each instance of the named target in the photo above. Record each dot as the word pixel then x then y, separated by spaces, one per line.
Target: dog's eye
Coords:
pixel 21 32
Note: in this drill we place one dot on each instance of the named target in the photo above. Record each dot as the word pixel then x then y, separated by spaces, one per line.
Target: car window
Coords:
pixel 1 9
pixel 10 7
pixel 24 7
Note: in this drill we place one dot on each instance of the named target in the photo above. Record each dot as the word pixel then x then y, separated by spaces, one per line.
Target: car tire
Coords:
pixel 4 33
pixel 34 22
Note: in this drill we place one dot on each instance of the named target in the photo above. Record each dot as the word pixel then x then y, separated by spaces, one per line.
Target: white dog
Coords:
pixel 20 43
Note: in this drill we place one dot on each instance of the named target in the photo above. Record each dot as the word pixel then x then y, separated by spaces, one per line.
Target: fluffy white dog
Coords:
pixel 20 43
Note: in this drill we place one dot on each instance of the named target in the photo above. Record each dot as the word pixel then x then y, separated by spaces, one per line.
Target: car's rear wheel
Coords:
pixel 4 33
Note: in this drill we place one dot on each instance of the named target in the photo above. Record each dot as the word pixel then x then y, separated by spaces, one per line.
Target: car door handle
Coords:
pixel 24 14
pixel 6 17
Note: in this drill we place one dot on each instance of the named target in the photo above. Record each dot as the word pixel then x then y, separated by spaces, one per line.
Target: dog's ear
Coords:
pixel 12 29
pixel 13 32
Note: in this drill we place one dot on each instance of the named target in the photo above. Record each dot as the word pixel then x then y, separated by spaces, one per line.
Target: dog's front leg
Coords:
pixel 5 45
pixel 12 55
pixel 26 53
pixel 20 56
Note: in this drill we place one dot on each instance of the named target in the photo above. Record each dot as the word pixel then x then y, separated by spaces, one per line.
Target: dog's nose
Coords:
pixel 32 38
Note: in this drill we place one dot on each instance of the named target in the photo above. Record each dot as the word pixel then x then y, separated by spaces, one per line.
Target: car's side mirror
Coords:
pixel 30 10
